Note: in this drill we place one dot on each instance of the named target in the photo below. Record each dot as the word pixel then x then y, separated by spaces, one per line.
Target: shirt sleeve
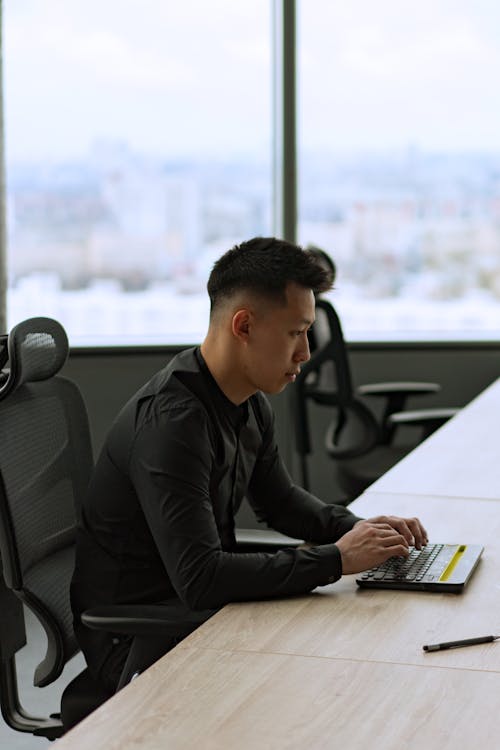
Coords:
pixel 170 467
pixel 285 506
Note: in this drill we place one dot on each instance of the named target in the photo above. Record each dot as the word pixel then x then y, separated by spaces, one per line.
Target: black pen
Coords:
pixel 458 644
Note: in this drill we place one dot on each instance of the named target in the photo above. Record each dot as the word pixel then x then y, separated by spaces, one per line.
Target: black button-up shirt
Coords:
pixel 158 521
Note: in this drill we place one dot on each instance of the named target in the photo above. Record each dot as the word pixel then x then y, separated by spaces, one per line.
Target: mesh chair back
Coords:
pixel 45 464
pixel 333 371
pixel 326 380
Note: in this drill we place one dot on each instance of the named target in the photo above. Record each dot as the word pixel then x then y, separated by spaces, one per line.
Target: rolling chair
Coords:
pixel 362 445
pixel 45 464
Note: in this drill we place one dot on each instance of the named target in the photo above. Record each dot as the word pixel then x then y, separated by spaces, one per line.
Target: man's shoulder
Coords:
pixel 180 383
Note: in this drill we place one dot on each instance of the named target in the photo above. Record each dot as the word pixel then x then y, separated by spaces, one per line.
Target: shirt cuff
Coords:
pixel 330 563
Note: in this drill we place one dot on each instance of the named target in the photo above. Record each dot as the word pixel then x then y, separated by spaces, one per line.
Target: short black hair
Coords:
pixel 265 266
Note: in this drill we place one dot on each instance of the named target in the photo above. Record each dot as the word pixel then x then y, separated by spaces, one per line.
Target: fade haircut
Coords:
pixel 265 266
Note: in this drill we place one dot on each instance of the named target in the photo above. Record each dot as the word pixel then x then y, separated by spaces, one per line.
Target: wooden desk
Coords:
pixel 344 667
pixel 461 459
pixel 203 699
pixel 340 667
pixel 341 621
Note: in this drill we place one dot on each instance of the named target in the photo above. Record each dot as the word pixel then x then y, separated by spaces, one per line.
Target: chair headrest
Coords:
pixel 37 349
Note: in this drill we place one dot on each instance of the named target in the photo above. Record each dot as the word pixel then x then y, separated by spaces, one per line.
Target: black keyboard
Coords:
pixel 420 565
pixel 436 567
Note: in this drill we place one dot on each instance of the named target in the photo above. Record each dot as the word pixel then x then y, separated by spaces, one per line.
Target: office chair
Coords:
pixel 45 464
pixel 361 445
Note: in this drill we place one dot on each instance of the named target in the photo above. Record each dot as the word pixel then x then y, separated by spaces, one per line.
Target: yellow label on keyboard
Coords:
pixel 453 563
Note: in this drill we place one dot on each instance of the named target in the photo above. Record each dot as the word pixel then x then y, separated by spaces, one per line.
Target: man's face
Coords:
pixel 277 344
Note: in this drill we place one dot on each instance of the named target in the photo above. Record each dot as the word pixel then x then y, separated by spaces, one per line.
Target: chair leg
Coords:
pixel 13 712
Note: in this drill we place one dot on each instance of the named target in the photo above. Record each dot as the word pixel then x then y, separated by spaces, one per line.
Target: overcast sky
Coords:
pixel 190 77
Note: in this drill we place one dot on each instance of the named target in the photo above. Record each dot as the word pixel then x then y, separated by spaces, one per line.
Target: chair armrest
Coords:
pixel 396 395
pixel 421 416
pixel 428 419
pixel 408 388
pixel 171 618
pixel 263 540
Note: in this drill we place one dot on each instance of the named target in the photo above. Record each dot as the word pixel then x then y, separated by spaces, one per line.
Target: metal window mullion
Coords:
pixel 3 218
pixel 285 120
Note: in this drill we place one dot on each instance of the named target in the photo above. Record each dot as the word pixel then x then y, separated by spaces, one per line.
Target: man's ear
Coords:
pixel 240 324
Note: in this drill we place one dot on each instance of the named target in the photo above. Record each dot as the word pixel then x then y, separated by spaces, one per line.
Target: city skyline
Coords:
pixel 412 247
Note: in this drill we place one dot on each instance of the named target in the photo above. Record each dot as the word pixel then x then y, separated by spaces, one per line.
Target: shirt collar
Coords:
pixel 238 414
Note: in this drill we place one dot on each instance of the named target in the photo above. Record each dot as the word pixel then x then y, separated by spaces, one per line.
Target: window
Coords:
pixel 399 162
pixel 138 149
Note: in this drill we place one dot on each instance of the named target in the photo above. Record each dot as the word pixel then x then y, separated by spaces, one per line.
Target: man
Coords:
pixel 158 522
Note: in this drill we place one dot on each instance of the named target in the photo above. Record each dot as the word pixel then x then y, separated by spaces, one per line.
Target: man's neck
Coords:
pixel 223 367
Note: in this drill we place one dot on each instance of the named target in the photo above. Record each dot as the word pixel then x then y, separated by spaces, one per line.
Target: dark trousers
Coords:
pixel 132 655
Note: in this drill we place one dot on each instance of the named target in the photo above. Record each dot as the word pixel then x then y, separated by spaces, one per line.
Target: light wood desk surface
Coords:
pixel 202 699
pixel 461 459
pixel 342 621
pixel 339 668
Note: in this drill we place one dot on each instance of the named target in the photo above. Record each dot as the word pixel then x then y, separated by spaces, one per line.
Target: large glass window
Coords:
pixel 138 149
pixel 399 162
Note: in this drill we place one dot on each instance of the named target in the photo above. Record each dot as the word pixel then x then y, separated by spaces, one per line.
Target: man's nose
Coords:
pixel 303 353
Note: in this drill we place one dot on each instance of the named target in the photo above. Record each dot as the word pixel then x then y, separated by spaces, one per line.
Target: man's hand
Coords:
pixel 370 543
pixel 410 528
